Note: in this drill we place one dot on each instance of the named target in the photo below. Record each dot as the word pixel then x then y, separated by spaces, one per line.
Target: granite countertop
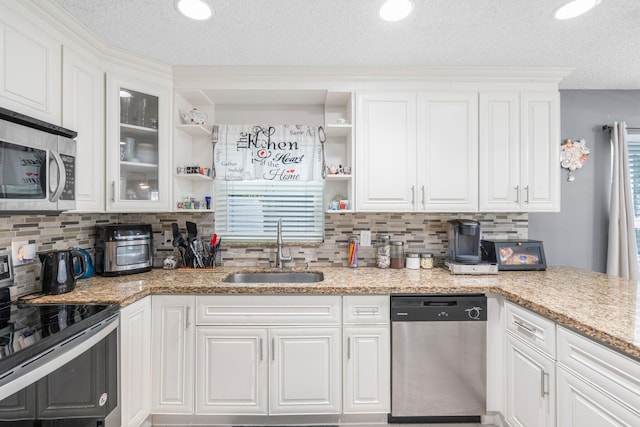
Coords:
pixel 602 307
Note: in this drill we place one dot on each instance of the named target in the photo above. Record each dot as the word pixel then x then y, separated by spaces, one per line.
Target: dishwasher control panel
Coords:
pixel 438 308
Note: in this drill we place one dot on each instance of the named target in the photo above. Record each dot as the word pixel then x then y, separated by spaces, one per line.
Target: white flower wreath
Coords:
pixel 574 156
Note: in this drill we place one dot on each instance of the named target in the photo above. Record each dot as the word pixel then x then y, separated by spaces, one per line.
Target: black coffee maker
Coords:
pixel 464 241
pixel 57 273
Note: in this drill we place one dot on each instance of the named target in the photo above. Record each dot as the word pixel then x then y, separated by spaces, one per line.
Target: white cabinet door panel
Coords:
pixel 135 369
pixel 499 144
pixel 448 151
pixel 367 370
pixel 83 111
pixel 385 151
pixel 30 75
pixel 540 130
pixel 582 405
pixel 173 354
pixel 530 386
pixel 305 375
pixel 232 371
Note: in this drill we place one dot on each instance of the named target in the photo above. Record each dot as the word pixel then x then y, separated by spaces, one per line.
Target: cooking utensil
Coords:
pixel 192 231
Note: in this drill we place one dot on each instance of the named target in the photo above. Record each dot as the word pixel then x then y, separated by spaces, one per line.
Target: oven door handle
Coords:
pixel 62 176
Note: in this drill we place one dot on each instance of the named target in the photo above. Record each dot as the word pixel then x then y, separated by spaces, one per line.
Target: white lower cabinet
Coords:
pixel 580 404
pixel 367 366
pixel 261 371
pixel 173 354
pixel 232 369
pixel 266 355
pixel 596 385
pixel 135 369
pixel 305 371
pixel 530 385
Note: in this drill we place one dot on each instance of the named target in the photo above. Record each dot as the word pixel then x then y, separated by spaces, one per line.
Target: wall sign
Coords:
pixel 268 152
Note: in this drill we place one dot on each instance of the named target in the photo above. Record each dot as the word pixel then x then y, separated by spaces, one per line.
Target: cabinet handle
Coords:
pixel 422 195
pixel 518 194
pixel 273 349
pixel 113 191
pixel 261 353
pixel 544 382
pixel 521 324
pixel 526 200
pixel 413 194
pixel 367 310
pixel 187 323
pixel 348 348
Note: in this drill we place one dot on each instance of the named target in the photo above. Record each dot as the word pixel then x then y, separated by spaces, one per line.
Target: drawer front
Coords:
pixel 366 309
pixel 267 310
pixel 600 366
pixel 532 328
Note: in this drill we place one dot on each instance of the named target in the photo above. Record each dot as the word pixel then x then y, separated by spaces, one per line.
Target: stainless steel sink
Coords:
pixel 275 277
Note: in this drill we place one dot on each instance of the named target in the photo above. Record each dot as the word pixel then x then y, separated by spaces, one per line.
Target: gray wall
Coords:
pixel 577 235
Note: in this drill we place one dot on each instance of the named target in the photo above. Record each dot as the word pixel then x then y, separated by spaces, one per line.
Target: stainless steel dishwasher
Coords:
pixel 438 358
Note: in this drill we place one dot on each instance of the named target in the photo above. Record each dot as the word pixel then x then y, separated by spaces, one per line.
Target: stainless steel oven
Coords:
pixel 37 165
pixel 54 377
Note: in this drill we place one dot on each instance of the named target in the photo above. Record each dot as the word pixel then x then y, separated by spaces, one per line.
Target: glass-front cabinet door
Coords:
pixel 137 146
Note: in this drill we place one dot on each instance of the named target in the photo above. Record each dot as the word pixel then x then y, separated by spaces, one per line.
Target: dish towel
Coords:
pixel 268 152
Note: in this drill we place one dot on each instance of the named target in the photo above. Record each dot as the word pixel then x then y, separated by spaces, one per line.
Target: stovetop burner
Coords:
pixel 28 329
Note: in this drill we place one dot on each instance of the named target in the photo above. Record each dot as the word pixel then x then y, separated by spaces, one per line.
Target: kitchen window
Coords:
pixel 633 144
pixel 248 211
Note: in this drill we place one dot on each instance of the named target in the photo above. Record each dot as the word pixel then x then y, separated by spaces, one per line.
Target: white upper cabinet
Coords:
pixel 83 111
pixel 137 145
pixel 500 152
pixel 385 151
pixel 519 152
pixel 447 152
pixel 540 133
pixel 30 75
pixel 417 151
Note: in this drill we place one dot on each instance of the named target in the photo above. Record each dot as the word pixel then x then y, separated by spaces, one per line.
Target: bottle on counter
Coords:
pixel 383 252
pixel 397 254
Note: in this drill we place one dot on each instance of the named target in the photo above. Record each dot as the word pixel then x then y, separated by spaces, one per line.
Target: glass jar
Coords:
pixel 383 252
pixel 413 261
pixel 397 254
pixel 352 245
pixel 426 261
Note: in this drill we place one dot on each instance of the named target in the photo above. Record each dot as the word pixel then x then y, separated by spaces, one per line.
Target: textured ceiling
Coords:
pixel 603 46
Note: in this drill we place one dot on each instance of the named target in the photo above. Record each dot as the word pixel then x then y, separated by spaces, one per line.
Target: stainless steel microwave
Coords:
pixel 37 165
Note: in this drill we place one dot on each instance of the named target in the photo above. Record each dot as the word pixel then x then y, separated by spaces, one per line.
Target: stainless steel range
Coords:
pixel 58 363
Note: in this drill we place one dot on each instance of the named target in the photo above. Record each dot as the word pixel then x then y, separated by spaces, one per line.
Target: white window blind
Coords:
pixel 249 210
pixel 633 145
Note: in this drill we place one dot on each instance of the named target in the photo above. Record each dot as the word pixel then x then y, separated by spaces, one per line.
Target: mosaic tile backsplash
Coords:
pixel 419 231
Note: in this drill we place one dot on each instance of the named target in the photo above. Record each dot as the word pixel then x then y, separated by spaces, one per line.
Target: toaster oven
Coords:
pixel 123 249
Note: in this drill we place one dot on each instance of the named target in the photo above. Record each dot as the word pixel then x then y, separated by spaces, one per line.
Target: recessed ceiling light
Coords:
pixel 575 8
pixel 396 10
pixel 194 9
pixel 125 94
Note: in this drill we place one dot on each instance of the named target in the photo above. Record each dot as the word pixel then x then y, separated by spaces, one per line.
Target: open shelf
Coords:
pixel 194 130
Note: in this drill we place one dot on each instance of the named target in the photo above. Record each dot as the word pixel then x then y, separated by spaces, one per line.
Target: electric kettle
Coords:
pixel 57 273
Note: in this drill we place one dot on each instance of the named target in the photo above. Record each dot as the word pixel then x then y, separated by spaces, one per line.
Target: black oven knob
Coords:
pixel 474 312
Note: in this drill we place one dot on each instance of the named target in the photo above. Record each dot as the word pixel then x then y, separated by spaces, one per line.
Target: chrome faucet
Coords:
pixel 279 253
